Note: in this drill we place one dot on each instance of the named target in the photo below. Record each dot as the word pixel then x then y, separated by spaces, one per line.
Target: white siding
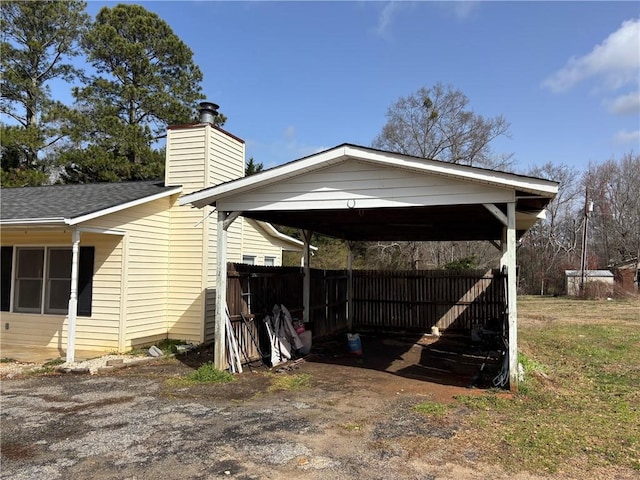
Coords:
pixel 358 184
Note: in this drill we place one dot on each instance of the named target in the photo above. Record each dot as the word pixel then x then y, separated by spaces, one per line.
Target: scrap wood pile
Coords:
pixel 287 340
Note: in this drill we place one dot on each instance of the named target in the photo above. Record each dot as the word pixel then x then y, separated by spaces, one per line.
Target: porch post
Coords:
pixel 510 262
pixel 306 282
pixel 73 297
pixel 220 347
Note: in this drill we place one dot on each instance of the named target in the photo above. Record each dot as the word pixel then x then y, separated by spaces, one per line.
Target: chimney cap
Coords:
pixel 208 112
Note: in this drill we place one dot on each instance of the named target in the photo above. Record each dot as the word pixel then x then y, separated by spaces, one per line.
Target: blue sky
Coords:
pixel 295 78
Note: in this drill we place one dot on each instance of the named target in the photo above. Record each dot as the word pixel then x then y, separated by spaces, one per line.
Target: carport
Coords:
pixel 357 193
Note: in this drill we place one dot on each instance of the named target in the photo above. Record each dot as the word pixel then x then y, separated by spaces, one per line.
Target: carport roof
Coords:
pixel 359 193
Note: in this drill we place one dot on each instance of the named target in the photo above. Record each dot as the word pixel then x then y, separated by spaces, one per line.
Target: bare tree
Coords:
pixel 551 245
pixel 614 188
pixel 437 123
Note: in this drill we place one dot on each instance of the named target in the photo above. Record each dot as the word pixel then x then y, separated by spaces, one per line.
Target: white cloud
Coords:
pixel 625 136
pixel 625 104
pixel 385 18
pixel 463 9
pixel 616 61
pixel 290 132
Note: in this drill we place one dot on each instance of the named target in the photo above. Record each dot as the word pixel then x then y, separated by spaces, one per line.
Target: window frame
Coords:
pixel 252 257
pixel 272 258
pixel 10 267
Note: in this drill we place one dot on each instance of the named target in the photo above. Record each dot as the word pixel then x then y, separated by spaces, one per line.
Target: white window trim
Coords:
pixel 45 271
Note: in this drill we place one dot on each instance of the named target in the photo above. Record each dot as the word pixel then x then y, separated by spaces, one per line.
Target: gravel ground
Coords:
pixel 356 421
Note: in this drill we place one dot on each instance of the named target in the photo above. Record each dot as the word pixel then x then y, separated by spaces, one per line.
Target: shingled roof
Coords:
pixel 69 203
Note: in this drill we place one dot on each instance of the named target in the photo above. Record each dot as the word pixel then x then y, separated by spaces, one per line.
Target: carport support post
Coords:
pixel 306 281
pixel 509 259
pixel 350 246
pixel 220 349
pixel 73 297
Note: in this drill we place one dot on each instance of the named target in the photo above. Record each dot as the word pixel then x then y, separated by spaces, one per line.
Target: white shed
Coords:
pixel 575 277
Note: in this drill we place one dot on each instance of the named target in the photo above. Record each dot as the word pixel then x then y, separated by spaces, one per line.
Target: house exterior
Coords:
pixel 575 277
pixel 139 266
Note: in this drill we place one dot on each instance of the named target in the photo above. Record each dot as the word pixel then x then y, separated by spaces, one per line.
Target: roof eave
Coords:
pixel 209 196
pixel 123 206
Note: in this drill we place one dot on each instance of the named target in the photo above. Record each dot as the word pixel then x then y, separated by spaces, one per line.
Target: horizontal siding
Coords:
pixel 366 187
pixel 98 332
pixel 146 286
pixel 186 151
pixel 227 155
pixel 255 242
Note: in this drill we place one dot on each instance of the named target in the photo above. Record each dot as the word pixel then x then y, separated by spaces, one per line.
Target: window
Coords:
pixel 269 261
pixel 249 259
pixel 58 288
pixel 28 289
pixel 42 279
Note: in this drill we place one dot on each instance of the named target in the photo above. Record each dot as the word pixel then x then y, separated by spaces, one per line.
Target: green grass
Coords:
pixel 352 426
pixel 282 382
pixel 432 409
pixel 46 368
pixel 580 400
pixel 206 373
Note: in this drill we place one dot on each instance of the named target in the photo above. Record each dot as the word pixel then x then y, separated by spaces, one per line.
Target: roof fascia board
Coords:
pixel 123 206
pixel 539 186
pixel 52 221
pixel 464 172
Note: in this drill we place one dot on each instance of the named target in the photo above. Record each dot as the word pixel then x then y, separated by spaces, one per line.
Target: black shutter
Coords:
pixel 6 262
pixel 85 280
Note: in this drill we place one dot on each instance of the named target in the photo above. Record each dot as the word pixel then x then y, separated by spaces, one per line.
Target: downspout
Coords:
pixel 73 297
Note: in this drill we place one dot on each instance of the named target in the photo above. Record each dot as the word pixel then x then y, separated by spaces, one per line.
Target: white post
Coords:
pixel 73 297
pixel 512 296
pixel 306 282
pixel 220 346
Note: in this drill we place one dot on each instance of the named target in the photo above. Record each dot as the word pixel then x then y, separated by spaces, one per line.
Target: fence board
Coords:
pixel 407 300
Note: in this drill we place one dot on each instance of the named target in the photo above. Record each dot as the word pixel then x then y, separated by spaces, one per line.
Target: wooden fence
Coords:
pixel 405 300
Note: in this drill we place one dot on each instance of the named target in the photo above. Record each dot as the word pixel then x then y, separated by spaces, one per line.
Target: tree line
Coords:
pixel 140 77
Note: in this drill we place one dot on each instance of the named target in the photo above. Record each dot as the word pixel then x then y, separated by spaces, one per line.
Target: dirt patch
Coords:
pixel 355 421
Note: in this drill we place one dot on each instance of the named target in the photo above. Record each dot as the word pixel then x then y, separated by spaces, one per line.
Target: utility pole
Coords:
pixel 588 208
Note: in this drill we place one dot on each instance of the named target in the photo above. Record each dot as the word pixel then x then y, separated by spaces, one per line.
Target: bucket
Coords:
pixel 305 338
pixel 353 341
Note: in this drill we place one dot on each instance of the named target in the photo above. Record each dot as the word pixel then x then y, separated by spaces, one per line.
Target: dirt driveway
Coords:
pixel 355 422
